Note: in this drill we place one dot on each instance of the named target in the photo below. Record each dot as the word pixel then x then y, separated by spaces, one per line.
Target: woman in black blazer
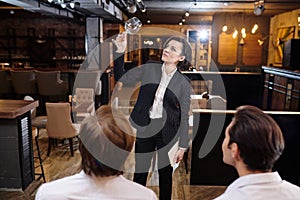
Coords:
pixel 160 114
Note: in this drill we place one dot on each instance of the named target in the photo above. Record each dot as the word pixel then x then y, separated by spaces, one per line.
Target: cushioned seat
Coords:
pixel 59 124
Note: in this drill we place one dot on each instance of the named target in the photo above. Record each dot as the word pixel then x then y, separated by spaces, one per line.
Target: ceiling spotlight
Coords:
pixel 259 7
pixel 72 5
pixel 141 5
pixel 50 1
pixel 148 21
pixel 63 5
pixel 131 6
pixel 187 13
pixel 183 20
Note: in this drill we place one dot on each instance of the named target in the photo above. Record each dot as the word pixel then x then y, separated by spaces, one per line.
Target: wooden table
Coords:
pixel 16 152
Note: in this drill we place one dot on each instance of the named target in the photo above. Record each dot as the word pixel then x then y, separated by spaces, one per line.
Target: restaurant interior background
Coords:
pixel 253 43
pixel 44 34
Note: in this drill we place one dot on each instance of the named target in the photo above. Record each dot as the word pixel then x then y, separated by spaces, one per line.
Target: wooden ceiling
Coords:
pixel 172 11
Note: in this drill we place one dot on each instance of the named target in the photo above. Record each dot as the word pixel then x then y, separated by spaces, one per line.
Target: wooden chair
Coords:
pixel 59 124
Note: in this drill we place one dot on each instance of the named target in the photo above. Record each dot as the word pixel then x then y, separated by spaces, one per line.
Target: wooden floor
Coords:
pixel 60 164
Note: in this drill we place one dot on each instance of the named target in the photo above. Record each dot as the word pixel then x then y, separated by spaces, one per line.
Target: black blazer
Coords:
pixel 176 101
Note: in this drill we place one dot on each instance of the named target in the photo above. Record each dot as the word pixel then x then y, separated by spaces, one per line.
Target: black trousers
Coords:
pixel 144 150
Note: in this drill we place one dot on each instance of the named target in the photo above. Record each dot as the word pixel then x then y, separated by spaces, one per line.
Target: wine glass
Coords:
pixel 133 25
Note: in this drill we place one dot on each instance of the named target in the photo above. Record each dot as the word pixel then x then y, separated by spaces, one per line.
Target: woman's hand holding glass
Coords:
pixel 120 42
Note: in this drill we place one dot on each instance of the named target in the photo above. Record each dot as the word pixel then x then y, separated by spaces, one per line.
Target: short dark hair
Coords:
pixel 186 51
pixel 258 137
pixel 108 135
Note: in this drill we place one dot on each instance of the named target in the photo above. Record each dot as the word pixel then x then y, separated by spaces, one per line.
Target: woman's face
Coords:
pixel 172 52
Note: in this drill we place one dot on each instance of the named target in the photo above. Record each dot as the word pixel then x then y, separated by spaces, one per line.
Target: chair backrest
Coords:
pixel 200 86
pixel 50 84
pixel 32 111
pixel 5 83
pixel 88 79
pixel 216 102
pixel 59 122
pixel 85 98
pixel 24 82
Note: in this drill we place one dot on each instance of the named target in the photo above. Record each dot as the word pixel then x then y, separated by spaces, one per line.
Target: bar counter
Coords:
pixel 16 152
pixel 238 88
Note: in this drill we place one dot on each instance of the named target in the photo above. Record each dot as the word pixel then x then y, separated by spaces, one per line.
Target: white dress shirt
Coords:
pixel 157 108
pixel 263 186
pixel 83 187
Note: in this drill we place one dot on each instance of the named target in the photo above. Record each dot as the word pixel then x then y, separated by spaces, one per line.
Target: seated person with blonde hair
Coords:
pixel 105 142
pixel 253 143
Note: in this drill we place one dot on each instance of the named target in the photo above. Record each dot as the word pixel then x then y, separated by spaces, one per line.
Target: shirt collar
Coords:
pixel 254 179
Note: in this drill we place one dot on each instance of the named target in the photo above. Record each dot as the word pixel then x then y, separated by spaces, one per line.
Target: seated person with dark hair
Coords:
pixel 105 142
pixel 253 143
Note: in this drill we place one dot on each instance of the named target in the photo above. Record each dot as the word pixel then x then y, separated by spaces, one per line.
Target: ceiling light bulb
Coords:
pixel 180 23
pixel 183 20
pixel 243 31
pixel 235 33
pixel 148 21
pixel 138 1
pixel 224 28
pixel 63 5
pixel 143 10
pixel 187 13
pixel 255 26
pixel 131 8
pixel 50 1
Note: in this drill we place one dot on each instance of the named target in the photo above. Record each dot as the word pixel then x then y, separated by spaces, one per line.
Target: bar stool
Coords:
pixel 35 136
pixel 37 123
